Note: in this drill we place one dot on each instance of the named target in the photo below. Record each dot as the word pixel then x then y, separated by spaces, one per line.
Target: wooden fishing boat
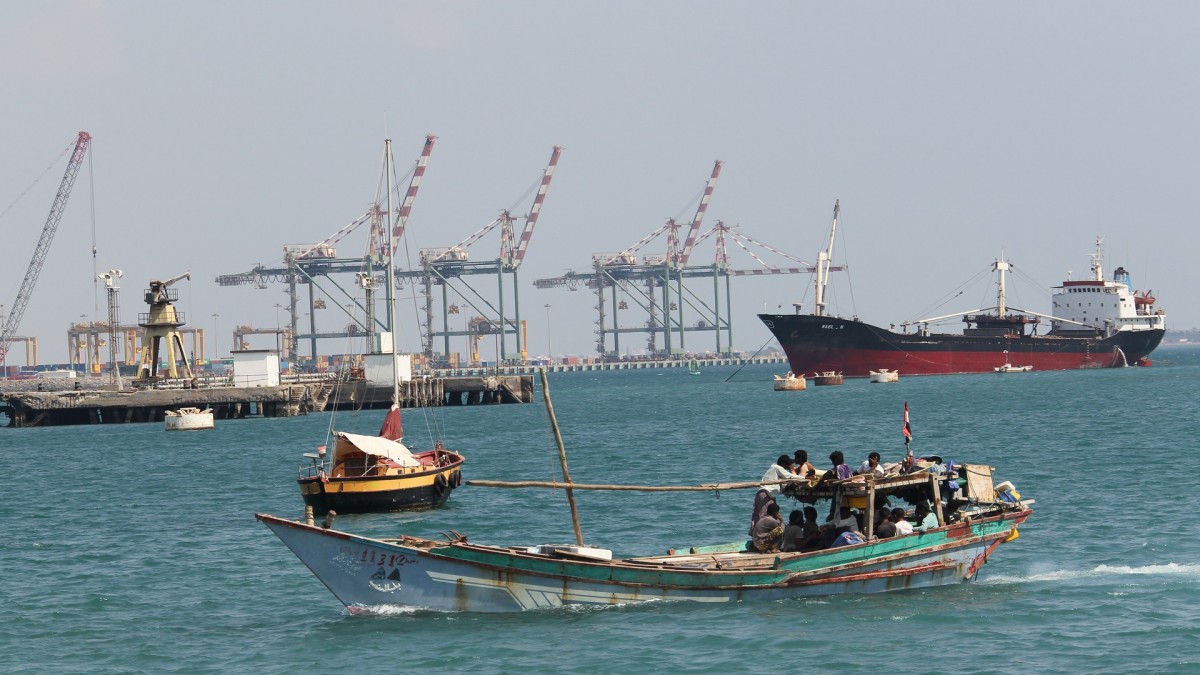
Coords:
pixel 790 382
pixel 883 375
pixel 366 474
pixel 456 575
pixel 188 419
pixel 453 574
pixel 827 377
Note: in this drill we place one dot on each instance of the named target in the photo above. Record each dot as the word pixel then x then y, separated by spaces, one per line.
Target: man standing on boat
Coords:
pixel 781 470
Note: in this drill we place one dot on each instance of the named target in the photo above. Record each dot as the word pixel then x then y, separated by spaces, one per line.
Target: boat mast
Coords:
pixel 823 261
pixel 391 270
pixel 562 456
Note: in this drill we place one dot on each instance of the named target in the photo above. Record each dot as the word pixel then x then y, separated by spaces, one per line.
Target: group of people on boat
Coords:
pixel 843 526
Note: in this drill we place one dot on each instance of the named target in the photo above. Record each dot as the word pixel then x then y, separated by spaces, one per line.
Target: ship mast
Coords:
pixel 823 261
pixel 1097 258
pixel 391 271
pixel 1001 266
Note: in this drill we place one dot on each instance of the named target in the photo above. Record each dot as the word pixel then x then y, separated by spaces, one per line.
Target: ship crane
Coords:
pixel 13 320
pixel 162 322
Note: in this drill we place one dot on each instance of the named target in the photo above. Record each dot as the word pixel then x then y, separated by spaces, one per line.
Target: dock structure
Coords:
pixel 96 406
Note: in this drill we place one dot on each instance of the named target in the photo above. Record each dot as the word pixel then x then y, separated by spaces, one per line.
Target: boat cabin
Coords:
pixel 953 493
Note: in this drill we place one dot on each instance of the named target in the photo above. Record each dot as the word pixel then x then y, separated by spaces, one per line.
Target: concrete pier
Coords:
pixel 84 406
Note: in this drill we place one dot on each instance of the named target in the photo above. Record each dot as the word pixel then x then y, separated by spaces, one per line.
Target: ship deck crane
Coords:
pixel 43 246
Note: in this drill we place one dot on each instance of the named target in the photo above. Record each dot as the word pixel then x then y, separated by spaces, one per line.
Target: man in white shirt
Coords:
pixel 871 466
pixel 903 527
pixel 780 470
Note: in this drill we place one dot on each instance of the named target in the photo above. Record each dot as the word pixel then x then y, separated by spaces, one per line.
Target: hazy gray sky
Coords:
pixel 951 132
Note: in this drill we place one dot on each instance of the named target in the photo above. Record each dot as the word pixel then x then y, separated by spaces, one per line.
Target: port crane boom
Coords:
pixel 43 246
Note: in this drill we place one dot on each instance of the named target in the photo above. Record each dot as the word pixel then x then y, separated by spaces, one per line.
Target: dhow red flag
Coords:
pixel 907 428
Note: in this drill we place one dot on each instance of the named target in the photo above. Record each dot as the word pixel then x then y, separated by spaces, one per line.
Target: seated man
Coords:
pixel 885 528
pixel 840 470
pixel 903 527
pixel 843 519
pixel 767 533
pixel 926 521
pixel 793 534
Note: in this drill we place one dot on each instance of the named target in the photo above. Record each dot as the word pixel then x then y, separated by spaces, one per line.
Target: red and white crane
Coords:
pixel 680 258
pixel 514 255
pixel 43 246
pixel 511 252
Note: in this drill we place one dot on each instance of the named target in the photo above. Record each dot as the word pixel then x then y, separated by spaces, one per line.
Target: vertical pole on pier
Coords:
pixel 562 456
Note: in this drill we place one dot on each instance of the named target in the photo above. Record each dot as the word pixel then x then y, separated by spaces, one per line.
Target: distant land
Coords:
pixel 1185 337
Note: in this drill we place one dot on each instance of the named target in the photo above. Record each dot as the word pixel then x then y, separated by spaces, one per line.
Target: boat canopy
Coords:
pixel 373 445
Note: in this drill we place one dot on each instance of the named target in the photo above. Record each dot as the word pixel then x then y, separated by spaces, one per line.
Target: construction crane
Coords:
pixel 43 246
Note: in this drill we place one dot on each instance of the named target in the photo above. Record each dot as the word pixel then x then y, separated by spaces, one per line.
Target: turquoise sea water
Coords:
pixel 127 549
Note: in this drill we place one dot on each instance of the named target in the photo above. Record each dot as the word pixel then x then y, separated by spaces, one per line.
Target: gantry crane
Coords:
pixel 316 265
pixel 447 267
pixel 13 320
pixel 622 272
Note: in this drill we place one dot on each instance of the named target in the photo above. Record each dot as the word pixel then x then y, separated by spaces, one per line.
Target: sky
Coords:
pixel 952 134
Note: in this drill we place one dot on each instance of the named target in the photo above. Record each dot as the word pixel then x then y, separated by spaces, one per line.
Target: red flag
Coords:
pixel 392 429
pixel 907 428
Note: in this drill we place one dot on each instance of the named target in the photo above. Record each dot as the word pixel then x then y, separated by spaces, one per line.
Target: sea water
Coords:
pixel 130 549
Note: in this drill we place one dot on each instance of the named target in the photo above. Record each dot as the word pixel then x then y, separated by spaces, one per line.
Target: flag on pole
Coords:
pixel 907 427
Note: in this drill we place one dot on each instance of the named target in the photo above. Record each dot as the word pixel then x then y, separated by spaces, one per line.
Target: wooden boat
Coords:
pixel 189 419
pixel 827 377
pixel 453 574
pixel 883 375
pixel 366 474
pixel 790 382
pixel 1010 368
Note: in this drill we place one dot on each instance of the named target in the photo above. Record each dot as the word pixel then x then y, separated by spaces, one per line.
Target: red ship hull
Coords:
pixel 822 343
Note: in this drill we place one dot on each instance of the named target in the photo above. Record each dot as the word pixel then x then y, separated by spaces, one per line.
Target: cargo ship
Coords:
pixel 1096 323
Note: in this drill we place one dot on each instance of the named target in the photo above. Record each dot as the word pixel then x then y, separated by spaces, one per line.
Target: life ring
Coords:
pixel 440 484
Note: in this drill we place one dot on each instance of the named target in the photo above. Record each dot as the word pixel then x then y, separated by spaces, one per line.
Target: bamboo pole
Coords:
pixel 635 488
pixel 562 456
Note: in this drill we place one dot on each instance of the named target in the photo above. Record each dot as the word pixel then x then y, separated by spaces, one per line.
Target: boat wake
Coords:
pixel 1098 572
